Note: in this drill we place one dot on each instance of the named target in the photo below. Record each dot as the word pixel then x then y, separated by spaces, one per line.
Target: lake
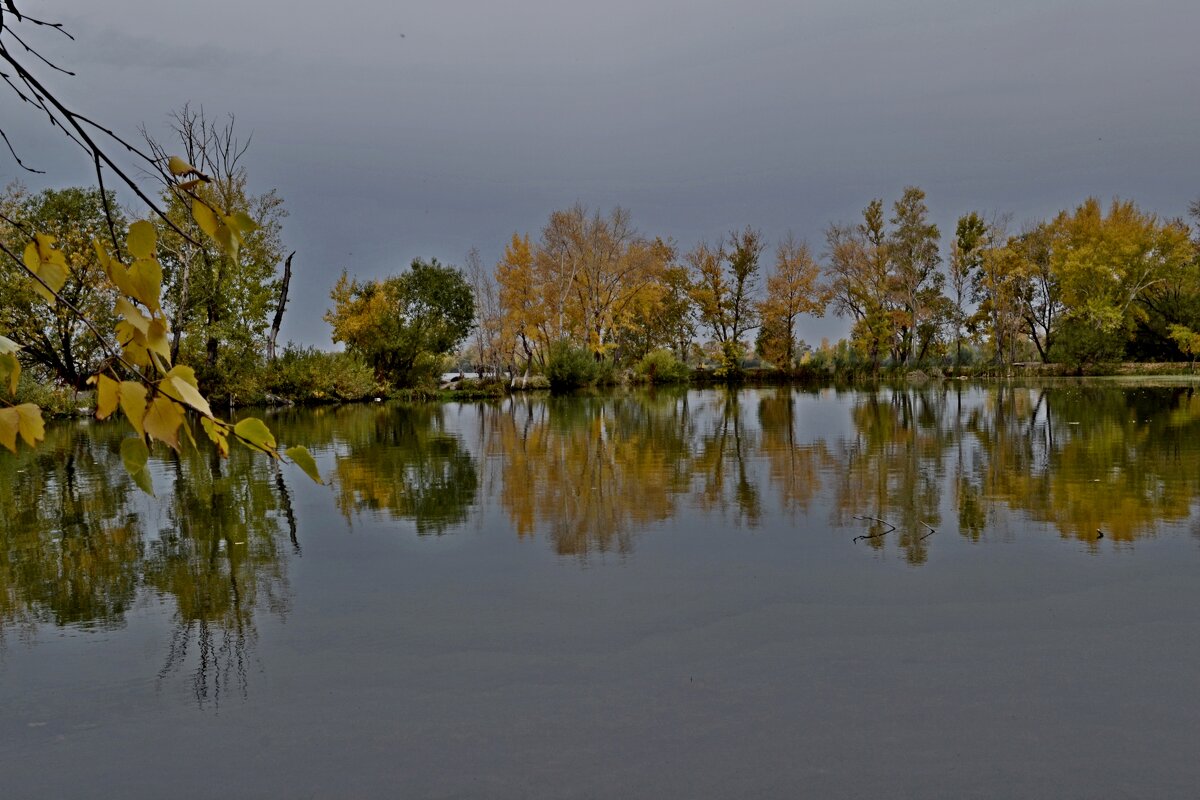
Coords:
pixel 942 591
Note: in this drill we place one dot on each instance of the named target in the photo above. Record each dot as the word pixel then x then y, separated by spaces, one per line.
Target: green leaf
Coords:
pixel 141 239
pixel 304 460
pixel 254 432
pixel 135 455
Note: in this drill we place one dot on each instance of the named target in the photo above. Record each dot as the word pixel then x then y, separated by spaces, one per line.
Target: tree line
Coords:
pixel 1093 284
pixel 592 295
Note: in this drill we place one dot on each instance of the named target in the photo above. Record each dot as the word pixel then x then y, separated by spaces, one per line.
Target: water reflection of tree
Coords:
pixel 1081 458
pixel 588 472
pixel 69 543
pixel 75 547
pixel 1089 459
pixel 407 464
pixel 218 557
pixel 795 461
pixel 892 467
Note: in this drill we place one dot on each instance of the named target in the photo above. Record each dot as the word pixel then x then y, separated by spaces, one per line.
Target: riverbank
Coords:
pixel 57 402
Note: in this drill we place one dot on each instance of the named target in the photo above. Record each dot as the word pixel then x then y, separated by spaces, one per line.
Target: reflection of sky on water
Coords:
pixel 720 618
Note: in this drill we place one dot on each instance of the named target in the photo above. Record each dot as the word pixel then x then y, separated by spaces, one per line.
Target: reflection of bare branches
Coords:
pixel 221 657
pixel 879 535
pixel 891 528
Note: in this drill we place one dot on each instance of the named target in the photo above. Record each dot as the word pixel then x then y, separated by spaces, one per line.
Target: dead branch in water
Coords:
pixel 875 535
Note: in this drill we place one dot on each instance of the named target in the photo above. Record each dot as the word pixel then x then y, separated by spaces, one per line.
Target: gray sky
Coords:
pixel 395 130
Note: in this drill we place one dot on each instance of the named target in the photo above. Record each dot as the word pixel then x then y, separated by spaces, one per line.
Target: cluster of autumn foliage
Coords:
pixel 1092 284
pixel 137 376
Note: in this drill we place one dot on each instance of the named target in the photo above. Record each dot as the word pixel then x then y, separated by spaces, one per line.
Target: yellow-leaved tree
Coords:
pixel 137 380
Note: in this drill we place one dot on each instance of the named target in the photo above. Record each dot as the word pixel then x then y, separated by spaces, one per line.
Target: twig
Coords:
pixel 875 535
pixel 931 532
pixel 17 158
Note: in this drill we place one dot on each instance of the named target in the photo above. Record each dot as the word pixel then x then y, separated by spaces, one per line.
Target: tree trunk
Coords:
pixel 283 298
pixel 181 309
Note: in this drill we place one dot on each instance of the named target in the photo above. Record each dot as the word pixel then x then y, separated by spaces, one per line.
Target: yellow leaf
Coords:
pixel 131 315
pixel 156 339
pixel 145 275
pixel 33 262
pixel 187 186
pixel 185 374
pixel 216 432
pixel 187 431
pixel 10 421
pixel 45 244
pixel 226 240
pixel 55 275
pixel 107 396
pixel 119 275
pixel 180 167
pixel 29 423
pixel 133 343
pixel 242 223
pixel 10 368
pixel 254 432
pixel 162 421
pixel 304 460
pixel 205 217
pixel 133 403
pixel 102 255
pixel 141 239
pixel 49 264
pixel 135 455
pixel 180 383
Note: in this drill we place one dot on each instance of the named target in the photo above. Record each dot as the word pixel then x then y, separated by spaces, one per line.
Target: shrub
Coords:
pixel 570 367
pixel 309 375
pixel 531 383
pixel 661 366
pixel 53 399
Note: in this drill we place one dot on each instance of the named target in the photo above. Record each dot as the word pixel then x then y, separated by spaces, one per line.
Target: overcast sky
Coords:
pixel 403 129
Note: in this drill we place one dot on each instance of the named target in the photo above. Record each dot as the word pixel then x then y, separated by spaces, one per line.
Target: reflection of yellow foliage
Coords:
pixel 889 469
pixel 588 473
pixel 795 462
pixel 1089 463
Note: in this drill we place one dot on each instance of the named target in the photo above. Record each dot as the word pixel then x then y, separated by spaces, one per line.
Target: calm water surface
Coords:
pixel 648 595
